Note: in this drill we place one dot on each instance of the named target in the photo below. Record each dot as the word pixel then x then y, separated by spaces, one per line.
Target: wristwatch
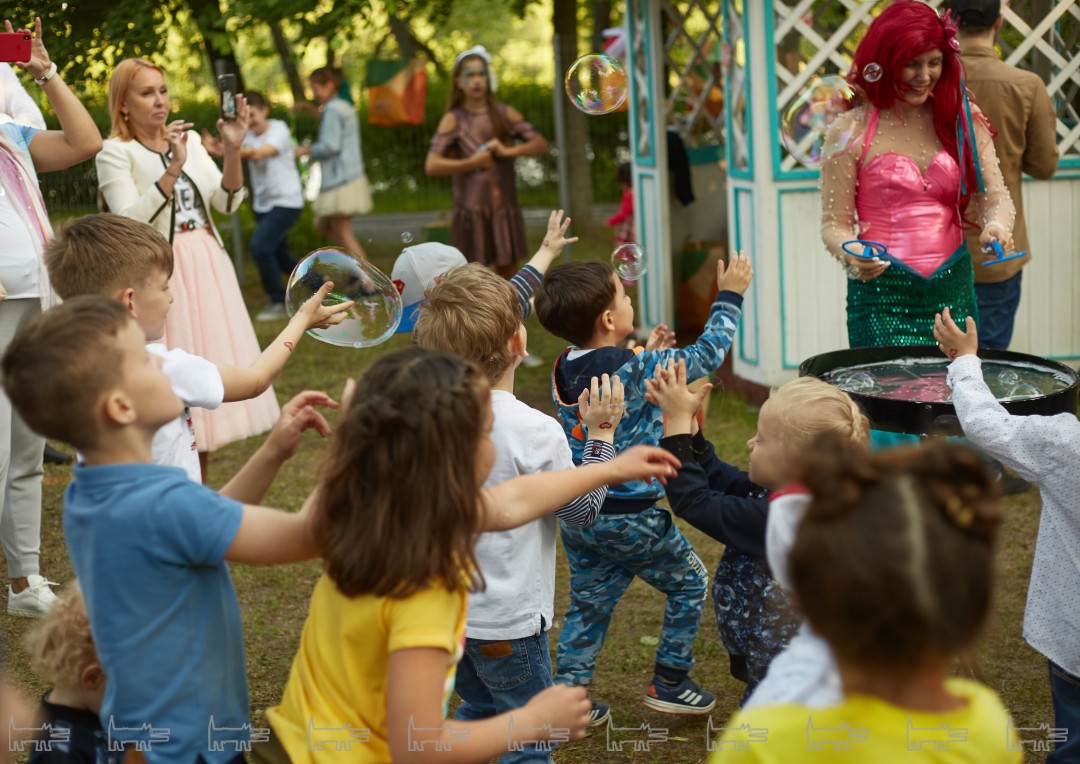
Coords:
pixel 48 75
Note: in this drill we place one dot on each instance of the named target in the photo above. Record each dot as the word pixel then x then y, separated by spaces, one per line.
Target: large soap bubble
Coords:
pixel 628 260
pixel 825 122
pixel 377 312
pixel 596 84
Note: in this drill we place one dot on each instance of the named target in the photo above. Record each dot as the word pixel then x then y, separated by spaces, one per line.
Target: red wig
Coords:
pixel 905 30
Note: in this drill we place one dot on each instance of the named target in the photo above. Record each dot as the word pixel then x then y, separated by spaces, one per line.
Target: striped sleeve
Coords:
pixel 525 283
pixel 584 509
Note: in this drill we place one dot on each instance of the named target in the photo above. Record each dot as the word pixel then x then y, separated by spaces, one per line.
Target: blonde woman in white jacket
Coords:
pixel 157 171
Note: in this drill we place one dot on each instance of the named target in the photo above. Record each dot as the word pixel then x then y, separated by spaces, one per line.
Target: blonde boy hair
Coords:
pixel 61 645
pixel 104 254
pixel 808 408
pixel 473 313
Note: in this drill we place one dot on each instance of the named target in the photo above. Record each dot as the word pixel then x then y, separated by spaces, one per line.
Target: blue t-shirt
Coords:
pixel 148 546
pixel 20 135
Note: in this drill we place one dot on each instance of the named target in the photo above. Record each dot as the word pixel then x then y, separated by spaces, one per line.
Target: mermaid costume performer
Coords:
pixel 915 215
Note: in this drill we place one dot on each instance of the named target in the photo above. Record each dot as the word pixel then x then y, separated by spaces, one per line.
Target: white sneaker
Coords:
pixel 272 312
pixel 34 601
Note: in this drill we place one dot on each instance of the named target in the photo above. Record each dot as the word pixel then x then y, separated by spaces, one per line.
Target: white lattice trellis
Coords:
pixel 821 35
pixel 692 62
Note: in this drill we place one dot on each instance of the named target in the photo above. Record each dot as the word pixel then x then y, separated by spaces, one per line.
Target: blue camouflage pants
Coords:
pixel 604 558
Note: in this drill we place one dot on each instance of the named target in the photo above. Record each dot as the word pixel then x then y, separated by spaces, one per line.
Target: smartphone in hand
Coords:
pixel 227 89
pixel 15 46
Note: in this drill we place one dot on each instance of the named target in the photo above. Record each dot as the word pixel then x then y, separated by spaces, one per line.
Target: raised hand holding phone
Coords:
pixel 33 56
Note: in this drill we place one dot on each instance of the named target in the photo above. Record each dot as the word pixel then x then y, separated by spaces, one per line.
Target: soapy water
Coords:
pixel 923 380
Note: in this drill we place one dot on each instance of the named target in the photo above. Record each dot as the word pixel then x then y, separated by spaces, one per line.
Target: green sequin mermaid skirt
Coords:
pixel 898 307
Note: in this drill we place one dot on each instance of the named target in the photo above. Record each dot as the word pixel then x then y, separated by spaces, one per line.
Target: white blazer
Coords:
pixel 128 173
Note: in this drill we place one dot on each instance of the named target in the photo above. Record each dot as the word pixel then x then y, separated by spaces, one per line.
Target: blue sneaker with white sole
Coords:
pixel 686 697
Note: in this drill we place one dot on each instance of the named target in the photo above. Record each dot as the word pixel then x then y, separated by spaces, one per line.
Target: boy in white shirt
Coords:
pixel 1043 450
pixel 130 262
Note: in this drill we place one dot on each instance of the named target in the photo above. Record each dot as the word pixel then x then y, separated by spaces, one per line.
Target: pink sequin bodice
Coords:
pixel 913 214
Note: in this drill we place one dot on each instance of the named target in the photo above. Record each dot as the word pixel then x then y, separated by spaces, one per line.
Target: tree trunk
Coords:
pixel 288 62
pixel 409 45
pixel 564 18
pixel 601 21
pixel 208 18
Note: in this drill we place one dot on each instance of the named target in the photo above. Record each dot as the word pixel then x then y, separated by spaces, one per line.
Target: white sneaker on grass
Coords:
pixel 34 601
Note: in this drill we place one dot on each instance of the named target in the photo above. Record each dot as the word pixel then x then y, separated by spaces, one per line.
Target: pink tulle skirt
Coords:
pixel 208 318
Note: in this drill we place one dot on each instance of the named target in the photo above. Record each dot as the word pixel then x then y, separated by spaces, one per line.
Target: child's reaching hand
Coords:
pixel 555 240
pixel 951 338
pixel 314 315
pixel 297 416
pixel 644 463
pixel 660 338
pixel 601 408
pixel 559 708
pixel 668 390
pixel 736 276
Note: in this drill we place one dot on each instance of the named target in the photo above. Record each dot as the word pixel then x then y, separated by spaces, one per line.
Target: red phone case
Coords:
pixel 15 46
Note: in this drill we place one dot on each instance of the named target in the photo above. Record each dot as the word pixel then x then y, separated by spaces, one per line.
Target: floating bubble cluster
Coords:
pixel 377 312
pixel 596 84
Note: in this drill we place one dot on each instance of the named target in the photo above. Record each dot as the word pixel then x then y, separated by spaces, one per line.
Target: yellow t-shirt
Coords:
pixel 866 729
pixel 334 705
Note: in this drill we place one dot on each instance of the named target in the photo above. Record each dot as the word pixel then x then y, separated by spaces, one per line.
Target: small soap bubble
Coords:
pixel 406 238
pixel 596 84
pixel 377 312
pixel 1023 390
pixel 825 122
pixel 1008 377
pixel 871 72
pixel 628 260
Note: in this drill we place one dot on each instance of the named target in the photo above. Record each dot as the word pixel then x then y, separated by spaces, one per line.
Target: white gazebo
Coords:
pixel 749 189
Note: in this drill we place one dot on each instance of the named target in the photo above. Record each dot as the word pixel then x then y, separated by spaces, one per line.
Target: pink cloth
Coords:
pixel 914 214
pixel 208 318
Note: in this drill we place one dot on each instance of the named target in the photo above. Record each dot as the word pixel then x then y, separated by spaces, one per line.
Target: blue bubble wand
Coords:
pixel 999 251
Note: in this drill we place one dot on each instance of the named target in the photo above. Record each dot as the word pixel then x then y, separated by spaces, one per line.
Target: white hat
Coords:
pixel 480 52
pixel 415 270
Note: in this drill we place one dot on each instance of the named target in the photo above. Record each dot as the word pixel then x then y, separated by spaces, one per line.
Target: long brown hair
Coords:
pixel 399 504
pixel 119 83
pixel 457 98
pixel 893 562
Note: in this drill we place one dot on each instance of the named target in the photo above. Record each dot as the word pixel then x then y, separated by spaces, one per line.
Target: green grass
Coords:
pixel 274 599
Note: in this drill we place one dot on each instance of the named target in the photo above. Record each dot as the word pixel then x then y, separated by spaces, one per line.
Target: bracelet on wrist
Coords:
pixel 47 75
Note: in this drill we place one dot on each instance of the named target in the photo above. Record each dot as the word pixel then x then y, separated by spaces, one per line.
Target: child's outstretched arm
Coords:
pixel 272 536
pixel 1033 446
pixel 418 732
pixel 249 485
pixel 528 279
pixel 601 408
pixel 713 496
pixel 528 497
pixel 243 383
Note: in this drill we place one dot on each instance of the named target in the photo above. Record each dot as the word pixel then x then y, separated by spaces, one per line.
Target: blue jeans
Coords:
pixel 496 676
pixel 270 250
pixel 1065 693
pixel 997 311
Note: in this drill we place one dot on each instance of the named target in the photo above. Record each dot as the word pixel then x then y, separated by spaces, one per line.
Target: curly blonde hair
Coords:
pixel 808 408
pixel 61 646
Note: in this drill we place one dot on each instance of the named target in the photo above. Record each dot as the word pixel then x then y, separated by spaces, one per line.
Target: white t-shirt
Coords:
pixel 19 266
pixel 275 181
pixel 190 213
pixel 519 564
pixel 198 383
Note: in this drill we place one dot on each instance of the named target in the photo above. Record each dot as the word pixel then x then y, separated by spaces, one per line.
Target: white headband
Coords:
pixel 480 52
